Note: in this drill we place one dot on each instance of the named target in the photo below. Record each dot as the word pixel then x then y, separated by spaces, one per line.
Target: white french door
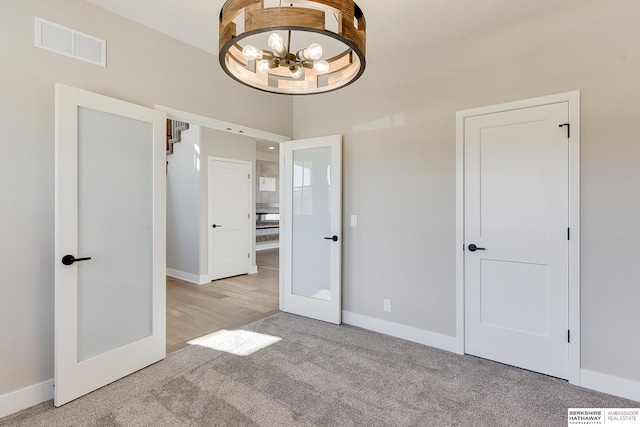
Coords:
pixel 311 170
pixel 230 199
pixel 516 219
pixel 109 240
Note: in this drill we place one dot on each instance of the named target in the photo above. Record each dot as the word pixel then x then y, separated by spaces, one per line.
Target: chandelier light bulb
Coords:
pixel 314 51
pixel 263 66
pixel 321 66
pixel 250 53
pixel 296 73
pixel 276 42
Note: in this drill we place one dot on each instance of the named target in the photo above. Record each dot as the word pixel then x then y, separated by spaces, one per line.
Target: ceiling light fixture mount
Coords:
pixel 335 29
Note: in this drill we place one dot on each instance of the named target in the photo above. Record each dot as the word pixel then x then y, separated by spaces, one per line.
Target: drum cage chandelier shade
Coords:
pixel 274 67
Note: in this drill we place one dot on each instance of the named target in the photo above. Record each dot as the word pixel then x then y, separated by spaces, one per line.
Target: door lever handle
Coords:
pixel 334 238
pixel 216 226
pixel 70 259
pixel 473 248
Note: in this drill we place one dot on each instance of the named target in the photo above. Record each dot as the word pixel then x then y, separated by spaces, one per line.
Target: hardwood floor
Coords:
pixel 196 310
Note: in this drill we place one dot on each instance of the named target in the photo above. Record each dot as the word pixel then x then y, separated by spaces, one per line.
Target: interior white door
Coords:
pixel 109 241
pixel 312 225
pixel 516 214
pixel 230 199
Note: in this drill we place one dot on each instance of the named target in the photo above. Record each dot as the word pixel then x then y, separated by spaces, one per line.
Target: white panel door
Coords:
pixel 109 241
pixel 230 199
pixel 516 215
pixel 312 223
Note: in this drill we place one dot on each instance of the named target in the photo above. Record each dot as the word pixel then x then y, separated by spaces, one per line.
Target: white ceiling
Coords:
pixel 390 24
pixel 267 147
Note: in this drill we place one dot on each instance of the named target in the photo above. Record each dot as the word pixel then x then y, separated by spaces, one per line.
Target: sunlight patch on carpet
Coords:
pixel 238 342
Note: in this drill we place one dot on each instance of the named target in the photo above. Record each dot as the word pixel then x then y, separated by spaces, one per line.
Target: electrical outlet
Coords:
pixel 386 305
pixel 354 220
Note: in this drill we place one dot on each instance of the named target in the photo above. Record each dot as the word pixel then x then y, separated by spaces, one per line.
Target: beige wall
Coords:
pixel 183 204
pixel 399 166
pixel 144 67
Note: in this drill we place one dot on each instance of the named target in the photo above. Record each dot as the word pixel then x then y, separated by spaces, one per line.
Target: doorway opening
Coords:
pixel 196 305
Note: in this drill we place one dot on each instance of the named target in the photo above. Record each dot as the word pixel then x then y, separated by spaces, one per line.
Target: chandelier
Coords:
pixel 298 47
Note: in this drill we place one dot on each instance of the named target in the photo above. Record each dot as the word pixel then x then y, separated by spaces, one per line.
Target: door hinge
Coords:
pixel 568 234
pixel 249 216
pixel 568 335
pixel 568 125
pixel 249 255
pixel 249 176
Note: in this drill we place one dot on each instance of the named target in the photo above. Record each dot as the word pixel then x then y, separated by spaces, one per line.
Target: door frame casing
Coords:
pixel 251 237
pixel 573 100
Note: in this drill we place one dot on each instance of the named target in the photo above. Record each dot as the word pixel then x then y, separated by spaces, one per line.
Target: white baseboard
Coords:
pixel 397 330
pixel 616 386
pixel 22 399
pixel 188 277
pixel 253 269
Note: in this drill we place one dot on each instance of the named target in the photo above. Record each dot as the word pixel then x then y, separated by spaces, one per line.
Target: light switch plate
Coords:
pixel 354 220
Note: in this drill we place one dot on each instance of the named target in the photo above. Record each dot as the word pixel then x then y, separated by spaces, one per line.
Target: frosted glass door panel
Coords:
pixel 311 223
pixel 115 229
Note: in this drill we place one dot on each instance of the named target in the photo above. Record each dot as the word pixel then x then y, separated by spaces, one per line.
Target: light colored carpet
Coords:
pixel 325 375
